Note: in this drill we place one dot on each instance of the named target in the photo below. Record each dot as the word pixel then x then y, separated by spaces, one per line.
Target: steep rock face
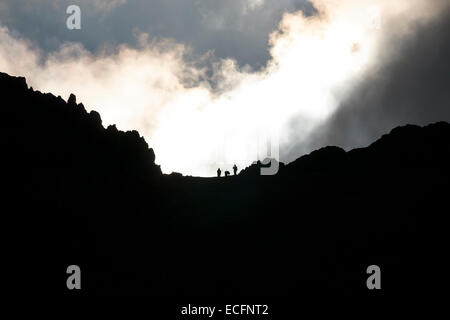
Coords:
pixel 45 131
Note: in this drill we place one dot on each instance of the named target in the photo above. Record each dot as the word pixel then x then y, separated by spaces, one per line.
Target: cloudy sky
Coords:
pixel 208 82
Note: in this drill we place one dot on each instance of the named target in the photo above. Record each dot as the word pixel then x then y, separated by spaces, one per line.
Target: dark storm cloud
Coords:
pixel 413 87
pixel 232 29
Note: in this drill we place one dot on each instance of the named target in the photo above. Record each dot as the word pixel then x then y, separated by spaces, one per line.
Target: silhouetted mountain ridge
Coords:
pixel 404 147
pixel 65 134
pixel 78 193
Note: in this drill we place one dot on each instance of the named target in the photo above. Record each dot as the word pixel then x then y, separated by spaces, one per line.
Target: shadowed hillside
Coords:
pixel 78 193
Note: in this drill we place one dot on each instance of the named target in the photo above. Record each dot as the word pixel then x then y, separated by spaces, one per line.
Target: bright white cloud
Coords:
pixel 194 128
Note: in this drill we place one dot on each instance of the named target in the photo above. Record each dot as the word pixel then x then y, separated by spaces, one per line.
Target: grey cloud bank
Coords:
pixel 235 29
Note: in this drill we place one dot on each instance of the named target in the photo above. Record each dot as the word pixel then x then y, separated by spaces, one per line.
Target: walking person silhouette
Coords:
pixel 219 172
pixel 235 169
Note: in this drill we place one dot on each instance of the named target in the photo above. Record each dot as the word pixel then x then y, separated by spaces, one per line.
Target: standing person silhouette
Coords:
pixel 219 172
pixel 235 169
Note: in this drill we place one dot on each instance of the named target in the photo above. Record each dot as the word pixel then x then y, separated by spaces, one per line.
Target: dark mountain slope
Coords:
pixel 81 194
pixel 48 131
pixel 70 183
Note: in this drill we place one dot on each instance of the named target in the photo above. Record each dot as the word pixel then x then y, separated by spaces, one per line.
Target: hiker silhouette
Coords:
pixel 219 172
pixel 235 169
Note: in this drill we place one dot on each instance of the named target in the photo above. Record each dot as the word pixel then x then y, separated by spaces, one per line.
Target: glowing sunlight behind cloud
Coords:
pixel 197 122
